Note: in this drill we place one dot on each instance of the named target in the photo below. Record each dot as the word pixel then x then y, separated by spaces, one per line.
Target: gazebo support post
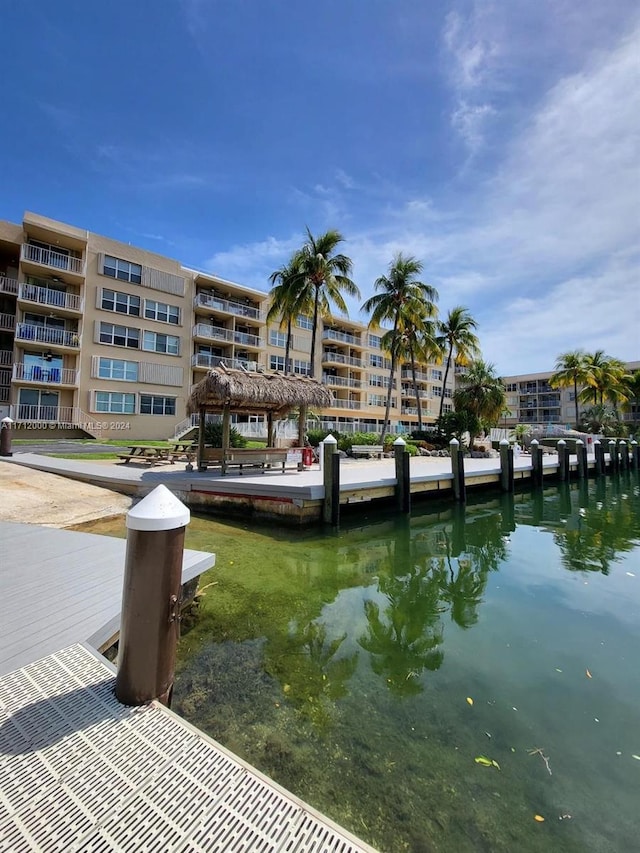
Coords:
pixel 202 465
pixel 226 424
pixel 270 439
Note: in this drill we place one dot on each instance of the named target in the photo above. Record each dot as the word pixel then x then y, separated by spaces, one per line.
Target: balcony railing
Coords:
pixel 8 285
pixel 6 356
pixel 5 378
pixel 341 381
pixel 203 359
pixel 7 321
pixel 47 296
pixel 51 258
pixel 227 306
pixel 338 358
pixel 46 335
pixel 217 333
pixel 44 375
pixel 343 337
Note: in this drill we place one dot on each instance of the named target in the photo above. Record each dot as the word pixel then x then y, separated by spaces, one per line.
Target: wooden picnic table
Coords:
pixel 144 453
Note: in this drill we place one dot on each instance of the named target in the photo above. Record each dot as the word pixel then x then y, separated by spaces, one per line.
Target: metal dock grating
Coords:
pixel 80 772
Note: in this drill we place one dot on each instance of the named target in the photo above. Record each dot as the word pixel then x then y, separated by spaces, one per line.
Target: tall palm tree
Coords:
pixel 288 300
pixel 402 299
pixel 326 275
pixel 482 394
pixel 416 343
pixel 570 369
pixel 605 380
pixel 456 337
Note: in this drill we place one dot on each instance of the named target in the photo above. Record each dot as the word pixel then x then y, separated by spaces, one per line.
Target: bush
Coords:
pixel 315 436
pixel 346 442
pixel 213 436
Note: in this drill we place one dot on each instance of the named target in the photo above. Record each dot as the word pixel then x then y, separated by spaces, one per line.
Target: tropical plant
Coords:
pixel 600 419
pixel 289 298
pixel 404 302
pixel 481 394
pixel 570 370
pixel 632 404
pixel 605 380
pixel 455 337
pixel 521 432
pixel 213 435
pixel 321 278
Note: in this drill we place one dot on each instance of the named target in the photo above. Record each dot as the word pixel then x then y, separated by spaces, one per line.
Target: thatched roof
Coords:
pixel 247 393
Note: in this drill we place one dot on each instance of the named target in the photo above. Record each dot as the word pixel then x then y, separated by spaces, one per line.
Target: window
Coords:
pixel 118 368
pixel 436 391
pixel 304 322
pixel 276 362
pixel 161 311
pixel 380 400
pixel 374 341
pixel 122 270
pixel 302 367
pixel 376 380
pixel 436 374
pixel 152 405
pixel 115 403
pixel 447 407
pixel 121 303
pixel 277 339
pixel 512 386
pixel 376 360
pixel 448 393
pixel 119 336
pixel 156 342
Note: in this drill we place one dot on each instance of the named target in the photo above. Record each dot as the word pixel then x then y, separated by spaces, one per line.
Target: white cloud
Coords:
pixel 253 263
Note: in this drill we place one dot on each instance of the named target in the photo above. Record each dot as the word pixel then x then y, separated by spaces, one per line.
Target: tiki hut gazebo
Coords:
pixel 229 391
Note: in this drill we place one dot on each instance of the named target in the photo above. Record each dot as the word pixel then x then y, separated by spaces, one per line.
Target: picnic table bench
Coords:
pixel 367 450
pixel 152 454
pixel 263 458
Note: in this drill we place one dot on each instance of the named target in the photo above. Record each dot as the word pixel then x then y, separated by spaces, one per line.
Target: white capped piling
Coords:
pixel 581 453
pixel 635 455
pixel 598 449
pixel 331 479
pixel 624 455
pixel 536 463
pixel 5 437
pixel 403 476
pixel 151 598
pixel 506 466
pixel 613 456
pixel 563 461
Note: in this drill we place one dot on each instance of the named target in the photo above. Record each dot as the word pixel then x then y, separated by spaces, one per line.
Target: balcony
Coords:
pixel 337 358
pixel 406 373
pixel 227 306
pixel 217 333
pixel 8 285
pixel 205 361
pixel 44 375
pixel 7 321
pixel 345 404
pixel 343 337
pixel 52 258
pixel 58 299
pixel 48 336
pixel 341 381
pixel 6 356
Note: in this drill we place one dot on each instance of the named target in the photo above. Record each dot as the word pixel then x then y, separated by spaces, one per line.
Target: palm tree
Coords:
pixel 288 299
pixel 570 369
pixel 324 275
pixel 481 394
pixel 456 335
pixel 402 300
pixel 633 395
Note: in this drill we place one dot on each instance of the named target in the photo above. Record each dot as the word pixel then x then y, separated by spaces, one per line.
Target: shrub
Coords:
pixel 213 436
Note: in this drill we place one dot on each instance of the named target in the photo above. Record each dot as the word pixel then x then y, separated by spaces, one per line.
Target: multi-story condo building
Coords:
pixel 100 337
pixel 532 400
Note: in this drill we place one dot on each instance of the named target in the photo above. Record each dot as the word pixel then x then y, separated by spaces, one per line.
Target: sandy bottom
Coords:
pixel 36 497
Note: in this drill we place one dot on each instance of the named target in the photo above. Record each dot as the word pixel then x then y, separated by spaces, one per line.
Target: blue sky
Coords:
pixel 498 142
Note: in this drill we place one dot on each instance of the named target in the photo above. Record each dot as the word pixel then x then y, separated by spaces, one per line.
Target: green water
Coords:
pixel 341 665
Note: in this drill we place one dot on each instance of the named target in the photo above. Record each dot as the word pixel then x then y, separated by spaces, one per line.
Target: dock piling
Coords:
pixel 506 466
pixel 613 457
pixel 331 479
pixel 581 453
pixel 457 469
pixel 635 455
pixel 598 449
pixel 151 599
pixel 403 476
pixel 563 461
pixel 5 437
pixel 624 456
pixel 536 463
